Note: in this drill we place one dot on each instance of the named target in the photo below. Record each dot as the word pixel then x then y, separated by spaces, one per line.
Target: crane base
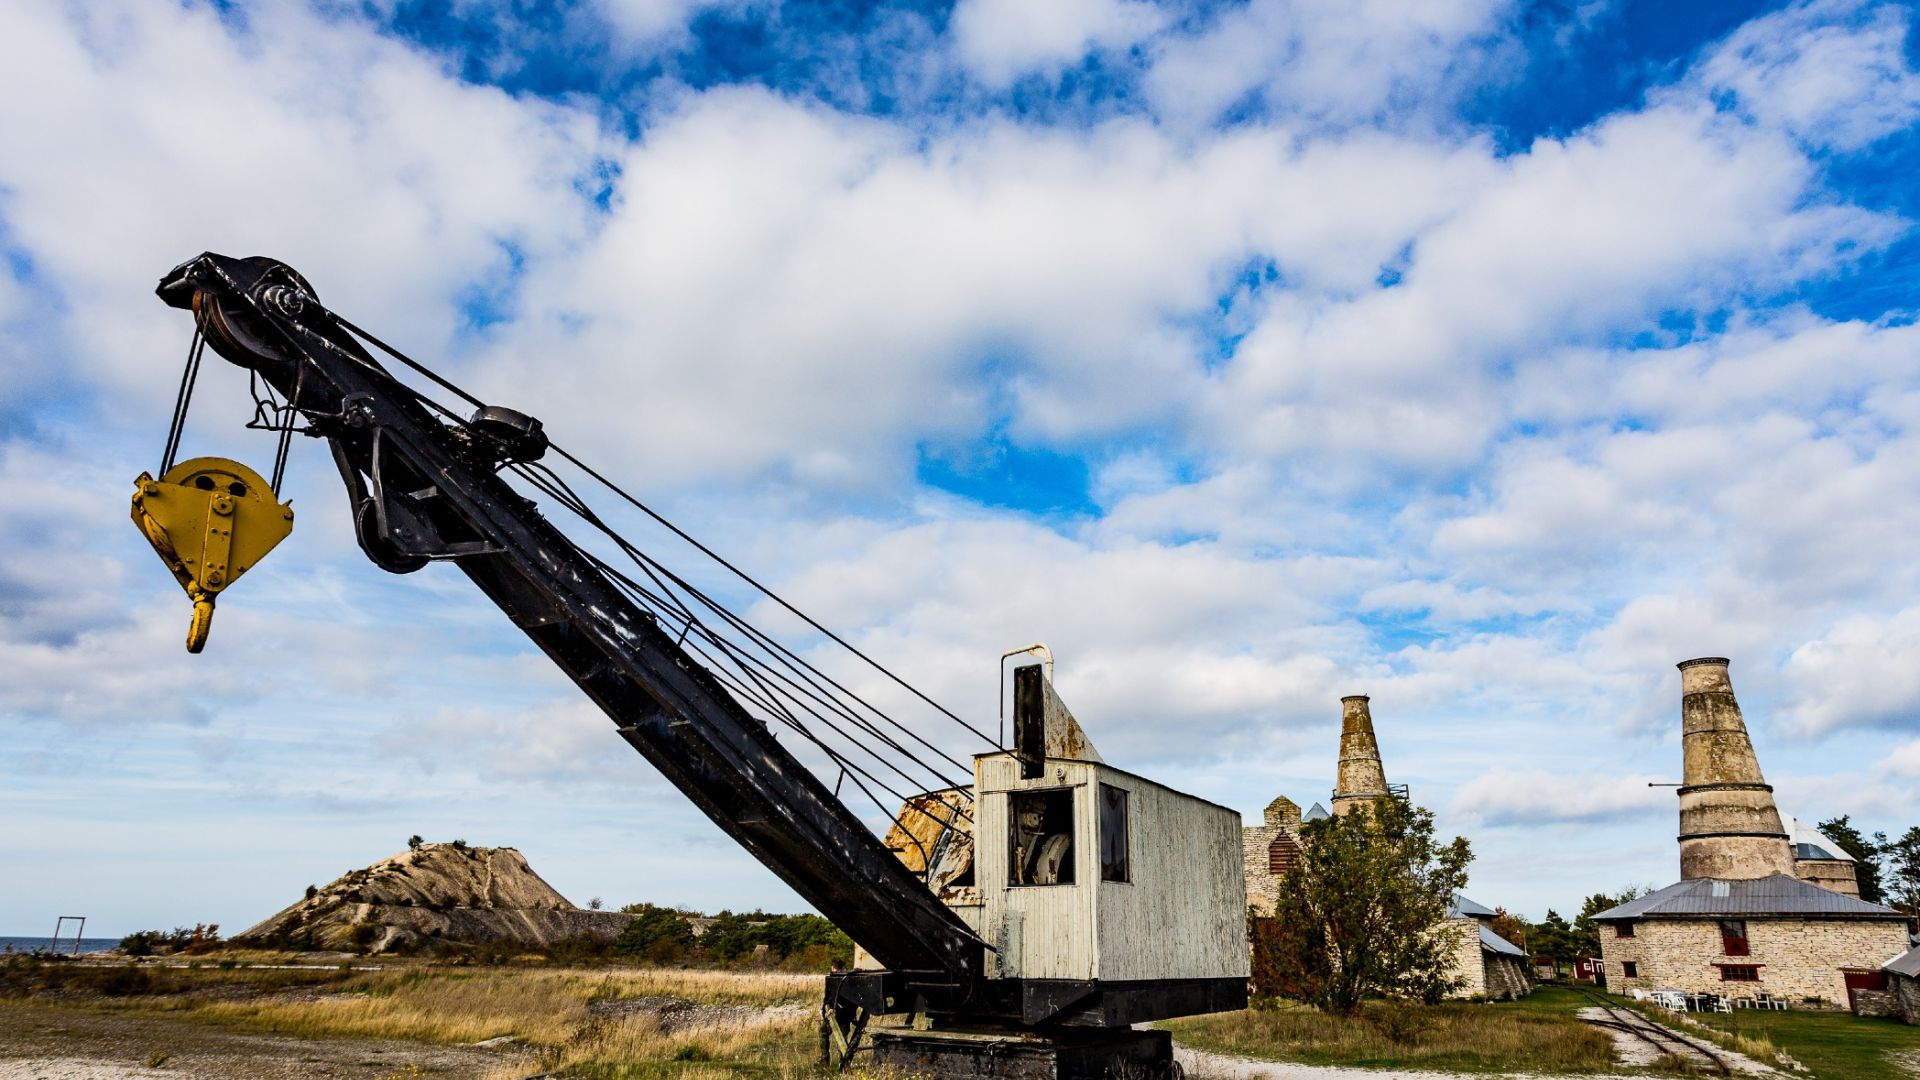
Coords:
pixel 1014 1054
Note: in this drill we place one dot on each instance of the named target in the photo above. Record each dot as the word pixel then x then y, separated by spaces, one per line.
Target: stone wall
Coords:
pixel 1282 817
pixel 1907 989
pixel 1836 875
pixel 1462 937
pixel 1877 1002
pixel 1507 976
pixel 1799 959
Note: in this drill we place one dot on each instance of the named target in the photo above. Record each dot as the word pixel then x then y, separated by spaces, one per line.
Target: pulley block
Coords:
pixel 211 520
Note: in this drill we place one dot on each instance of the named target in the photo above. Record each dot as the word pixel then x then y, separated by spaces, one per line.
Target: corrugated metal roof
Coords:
pixel 1491 940
pixel 1776 895
pixel 1907 963
pixel 1463 908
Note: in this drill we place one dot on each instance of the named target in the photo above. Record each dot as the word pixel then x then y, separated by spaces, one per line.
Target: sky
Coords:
pixel 1485 357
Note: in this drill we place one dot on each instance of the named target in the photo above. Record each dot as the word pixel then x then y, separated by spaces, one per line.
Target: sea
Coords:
pixel 36 944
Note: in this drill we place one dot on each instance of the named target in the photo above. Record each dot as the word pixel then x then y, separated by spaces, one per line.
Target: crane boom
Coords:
pixel 425 489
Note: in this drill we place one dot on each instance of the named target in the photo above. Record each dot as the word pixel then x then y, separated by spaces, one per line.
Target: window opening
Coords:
pixel 1623 929
pixel 1739 973
pixel 1733 937
pixel 1114 864
pixel 1041 840
pixel 1629 969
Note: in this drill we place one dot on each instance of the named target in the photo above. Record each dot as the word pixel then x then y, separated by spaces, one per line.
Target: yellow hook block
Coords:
pixel 211 520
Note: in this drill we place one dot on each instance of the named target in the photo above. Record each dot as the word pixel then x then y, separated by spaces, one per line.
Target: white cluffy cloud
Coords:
pixel 999 40
pixel 1538 797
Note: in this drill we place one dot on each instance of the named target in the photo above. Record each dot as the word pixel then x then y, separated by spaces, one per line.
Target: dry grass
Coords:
pixel 636 1048
pixel 544 1008
pixel 1460 1038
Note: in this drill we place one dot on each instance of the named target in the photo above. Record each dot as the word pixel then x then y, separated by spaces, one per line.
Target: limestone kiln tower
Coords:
pixel 1361 779
pixel 1729 827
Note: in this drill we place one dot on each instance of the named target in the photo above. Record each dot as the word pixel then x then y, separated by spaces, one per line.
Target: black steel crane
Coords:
pixel 424 488
pixel 428 484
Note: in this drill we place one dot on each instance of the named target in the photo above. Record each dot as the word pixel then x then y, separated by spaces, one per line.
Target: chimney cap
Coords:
pixel 1720 661
pixel 1356 697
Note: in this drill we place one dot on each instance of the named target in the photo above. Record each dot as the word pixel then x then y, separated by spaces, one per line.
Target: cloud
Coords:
pixel 1537 797
pixel 1355 63
pixel 165 130
pixel 999 40
pixel 1834 73
pixel 1859 674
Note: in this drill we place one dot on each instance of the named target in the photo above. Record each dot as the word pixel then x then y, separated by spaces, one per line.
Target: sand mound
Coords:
pixel 448 892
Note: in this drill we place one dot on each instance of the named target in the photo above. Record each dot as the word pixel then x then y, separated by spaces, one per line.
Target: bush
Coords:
pixel 653 932
pixel 203 936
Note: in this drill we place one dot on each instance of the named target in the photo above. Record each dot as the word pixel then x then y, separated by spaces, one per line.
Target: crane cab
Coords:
pixel 1105 898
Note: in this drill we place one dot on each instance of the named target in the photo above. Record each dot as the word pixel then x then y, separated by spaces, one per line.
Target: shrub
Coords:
pixel 653 926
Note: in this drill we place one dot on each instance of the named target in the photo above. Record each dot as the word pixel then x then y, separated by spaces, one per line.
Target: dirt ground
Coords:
pixel 52 1042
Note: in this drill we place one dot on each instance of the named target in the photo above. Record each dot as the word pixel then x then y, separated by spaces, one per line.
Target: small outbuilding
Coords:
pixel 1485 964
pixel 1892 990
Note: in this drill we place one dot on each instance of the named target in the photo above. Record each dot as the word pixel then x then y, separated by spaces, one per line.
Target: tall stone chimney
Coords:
pixel 1361 779
pixel 1729 827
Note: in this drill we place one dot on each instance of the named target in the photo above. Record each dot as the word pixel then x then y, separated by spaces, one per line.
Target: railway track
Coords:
pixel 1695 1052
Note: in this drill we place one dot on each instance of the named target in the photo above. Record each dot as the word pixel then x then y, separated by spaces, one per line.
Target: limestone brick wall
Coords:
pixel 1282 816
pixel 1263 889
pixel 1799 959
pixel 1876 1002
pixel 1463 944
pixel 1835 874
pixel 1507 977
pixel 1907 990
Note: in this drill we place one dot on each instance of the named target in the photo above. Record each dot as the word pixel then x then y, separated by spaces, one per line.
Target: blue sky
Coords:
pixel 1488 358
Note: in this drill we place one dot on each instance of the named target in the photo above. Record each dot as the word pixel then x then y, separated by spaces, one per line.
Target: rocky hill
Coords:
pixel 446 892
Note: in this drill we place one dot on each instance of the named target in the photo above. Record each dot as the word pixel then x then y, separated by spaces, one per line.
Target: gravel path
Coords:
pixel 1206 1065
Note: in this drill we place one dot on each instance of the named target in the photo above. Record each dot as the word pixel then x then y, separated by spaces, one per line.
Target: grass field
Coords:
pixel 1833 1045
pixel 1539 1033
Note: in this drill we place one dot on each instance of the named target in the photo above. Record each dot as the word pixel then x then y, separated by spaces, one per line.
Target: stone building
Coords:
pixel 1775 934
pixel 1741 920
pixel 1487 964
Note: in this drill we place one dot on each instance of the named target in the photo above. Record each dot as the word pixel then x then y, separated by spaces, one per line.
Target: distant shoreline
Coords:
pixel 25 943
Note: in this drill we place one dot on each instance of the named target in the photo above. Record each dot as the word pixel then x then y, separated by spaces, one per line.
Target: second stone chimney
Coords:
pixel 1729 827
pixel 1361 779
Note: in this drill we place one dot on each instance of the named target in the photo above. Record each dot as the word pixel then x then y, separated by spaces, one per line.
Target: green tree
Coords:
pixel 1903 871
pixel 1505 924
pixel 655 932
pixel 1866 855
pixel 1356 914
pixel 414 842
pixel 1553 937
pixel 1586 932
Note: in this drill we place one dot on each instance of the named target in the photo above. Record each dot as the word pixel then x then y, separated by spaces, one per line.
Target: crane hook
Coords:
pixel 210 520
